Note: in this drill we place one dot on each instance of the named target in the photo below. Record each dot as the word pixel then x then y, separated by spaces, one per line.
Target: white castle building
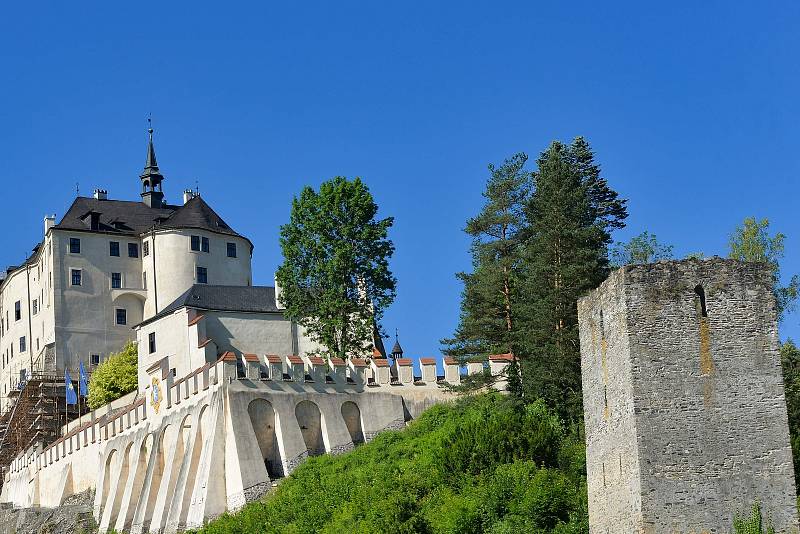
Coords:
pixel 108 265
pixel 230 395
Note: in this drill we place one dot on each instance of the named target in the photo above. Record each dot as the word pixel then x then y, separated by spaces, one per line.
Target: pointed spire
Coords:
pixel 151 171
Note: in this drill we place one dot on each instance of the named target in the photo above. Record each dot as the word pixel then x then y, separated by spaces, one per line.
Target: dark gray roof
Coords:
pixel 250 299
pixel 125 217
pixel 122 217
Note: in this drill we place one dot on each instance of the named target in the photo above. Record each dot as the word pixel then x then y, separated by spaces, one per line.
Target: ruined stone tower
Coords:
pixel 683 399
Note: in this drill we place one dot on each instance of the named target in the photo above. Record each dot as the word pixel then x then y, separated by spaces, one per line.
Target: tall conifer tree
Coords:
pixel 490 296
pixel 572 213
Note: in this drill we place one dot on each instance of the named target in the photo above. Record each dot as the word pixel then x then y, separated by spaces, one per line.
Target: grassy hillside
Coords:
pixel 486 464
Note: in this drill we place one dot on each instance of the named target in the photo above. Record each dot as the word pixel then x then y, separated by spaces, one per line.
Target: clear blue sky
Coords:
pixel 692 110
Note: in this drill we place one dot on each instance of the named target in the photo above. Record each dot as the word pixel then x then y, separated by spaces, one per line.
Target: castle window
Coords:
pixel 116 280
pixel 17 311
pixel 195 243
pixel 76 277
pixel 602 326
pixel 23 345
pixel 122 316
pixel 205 245
pixel 95 360
pixel 231 250
pixel 35 306
pixel 701 295
pixel 145 248
pixel 74 245
pixel 174 372
pixel 144 280
pixel 113 248
pixel 133 250
pixel 202 275
pixel 151 339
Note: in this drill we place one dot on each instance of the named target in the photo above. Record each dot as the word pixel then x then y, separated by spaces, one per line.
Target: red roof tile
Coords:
pixel 381 363
pixel 338 362
pixel 427 361
pixel 316 360
pixel 251 358
pixel 274 358
pixel 358 362
pixel 196 320
pixel 501 357
pixel 229 357
pixel 449 360
pixel 295 360
pixel 404 361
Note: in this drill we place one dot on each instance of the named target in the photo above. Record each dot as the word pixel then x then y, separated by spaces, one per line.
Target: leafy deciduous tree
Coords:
pixel 643 248
pixel 751 242
pixel 335 278
pixel 115 377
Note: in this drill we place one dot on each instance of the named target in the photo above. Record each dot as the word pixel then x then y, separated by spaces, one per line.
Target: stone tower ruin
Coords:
pixel 684 405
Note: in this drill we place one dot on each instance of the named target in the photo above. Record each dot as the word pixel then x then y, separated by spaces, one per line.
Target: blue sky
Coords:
pixel 691 108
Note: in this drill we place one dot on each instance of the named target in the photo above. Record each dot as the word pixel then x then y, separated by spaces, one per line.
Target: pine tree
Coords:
pixel 571 212
pixel 490 295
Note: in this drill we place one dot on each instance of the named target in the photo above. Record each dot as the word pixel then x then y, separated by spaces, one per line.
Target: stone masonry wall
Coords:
pixel 708 402
pixel 612 458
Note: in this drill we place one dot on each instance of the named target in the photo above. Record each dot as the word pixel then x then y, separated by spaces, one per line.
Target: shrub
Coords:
pixel 115 377
pixel 483 464
pixel 753 524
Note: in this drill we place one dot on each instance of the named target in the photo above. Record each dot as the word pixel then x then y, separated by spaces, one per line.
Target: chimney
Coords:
pixel 188 195
pixel 49 222
pixel 100 194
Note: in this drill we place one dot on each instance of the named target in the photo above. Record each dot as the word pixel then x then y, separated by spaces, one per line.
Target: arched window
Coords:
pixel 701 295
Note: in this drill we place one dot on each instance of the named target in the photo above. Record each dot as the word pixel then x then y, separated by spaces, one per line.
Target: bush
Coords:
pixel 484 464
pixel 115 377
pixel 753 524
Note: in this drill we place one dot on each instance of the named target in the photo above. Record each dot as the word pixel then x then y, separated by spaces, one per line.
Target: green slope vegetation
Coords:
pixel 484 464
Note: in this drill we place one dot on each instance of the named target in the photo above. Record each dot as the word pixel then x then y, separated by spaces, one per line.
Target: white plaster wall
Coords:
pixel 85 321
pixel 175 264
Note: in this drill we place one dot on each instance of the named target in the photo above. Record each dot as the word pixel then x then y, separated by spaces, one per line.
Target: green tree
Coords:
pixel 643 248
pixel 751 241
pixel 490 295
pixel 572 213
pixel 335 277
pixel 115 377
pixel 790 363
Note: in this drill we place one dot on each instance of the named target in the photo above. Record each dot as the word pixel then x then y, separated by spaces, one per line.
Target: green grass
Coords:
pixel 486 464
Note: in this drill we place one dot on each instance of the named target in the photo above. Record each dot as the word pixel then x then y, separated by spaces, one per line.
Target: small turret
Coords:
pixel 397 350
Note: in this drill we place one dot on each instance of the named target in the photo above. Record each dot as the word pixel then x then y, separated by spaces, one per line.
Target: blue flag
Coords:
pixel 83 382
pixel 72 398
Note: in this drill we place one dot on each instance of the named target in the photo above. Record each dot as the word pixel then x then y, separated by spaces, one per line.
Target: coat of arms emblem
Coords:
pixel 155 394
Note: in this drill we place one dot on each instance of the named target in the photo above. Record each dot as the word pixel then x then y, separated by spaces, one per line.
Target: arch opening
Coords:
pixel 310 420
pixel 352 419
pixel 264 421
pixel 701 297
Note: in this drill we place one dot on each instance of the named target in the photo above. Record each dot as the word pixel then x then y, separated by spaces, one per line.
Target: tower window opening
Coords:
pixel 602 326
pixel 701 294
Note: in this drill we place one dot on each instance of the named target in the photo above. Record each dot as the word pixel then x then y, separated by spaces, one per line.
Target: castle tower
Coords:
pixel 684 407
pixel 151 177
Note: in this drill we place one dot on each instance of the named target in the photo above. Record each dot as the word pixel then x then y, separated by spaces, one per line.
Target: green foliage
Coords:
pixel 643 248
pixel 485 464
pixel 572 212
pixel 751 241
pixel 490 296
pixel 753 524
pixel 115 377
pixel 335 277
pixel 790 362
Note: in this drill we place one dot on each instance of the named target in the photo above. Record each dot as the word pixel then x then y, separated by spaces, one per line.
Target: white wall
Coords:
pixel 175 265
